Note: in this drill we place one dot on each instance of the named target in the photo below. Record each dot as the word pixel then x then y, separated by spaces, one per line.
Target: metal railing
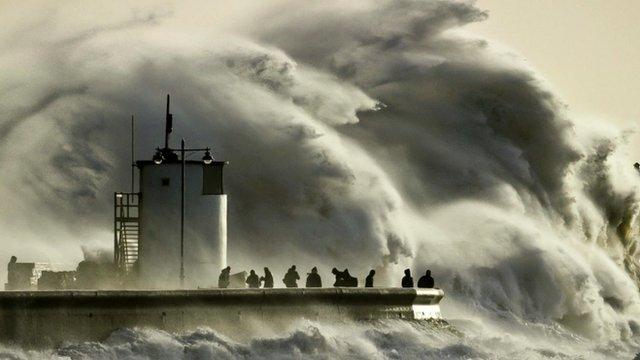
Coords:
pixel 126 230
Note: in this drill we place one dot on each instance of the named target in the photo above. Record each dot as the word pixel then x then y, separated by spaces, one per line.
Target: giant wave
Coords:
pixel 368 134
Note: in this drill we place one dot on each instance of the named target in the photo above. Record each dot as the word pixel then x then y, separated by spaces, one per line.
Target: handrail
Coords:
pixel 126 230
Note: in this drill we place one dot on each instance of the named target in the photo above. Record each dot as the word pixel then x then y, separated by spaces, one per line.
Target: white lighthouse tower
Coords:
pixel 182 220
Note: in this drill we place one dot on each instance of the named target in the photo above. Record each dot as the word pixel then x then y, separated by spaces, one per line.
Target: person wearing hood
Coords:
pixel 291 278
pixel 368 282
pixel 223 279
pixel 252 280
pixel 313 278
pixel 267 279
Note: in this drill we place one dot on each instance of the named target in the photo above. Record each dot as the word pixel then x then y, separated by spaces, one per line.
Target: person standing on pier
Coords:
pixel 407 280
pixel 426 281
pixel 344 279
pixel 291 278
pixel 223 279
pixel 267 279
pixel 252 280
pixel 313 278
pixel 12 278
pixel 368 282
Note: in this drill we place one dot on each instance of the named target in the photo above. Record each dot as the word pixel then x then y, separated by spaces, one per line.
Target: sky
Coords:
pixel 587 49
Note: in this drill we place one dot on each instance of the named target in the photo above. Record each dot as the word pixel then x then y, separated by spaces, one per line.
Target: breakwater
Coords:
pixel 48 318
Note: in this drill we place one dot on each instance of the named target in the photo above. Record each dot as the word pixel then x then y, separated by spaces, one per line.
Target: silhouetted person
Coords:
pixel 426 281
pixel 11 273
pixel 267 279
pixel 368 282
pixel 349 280
pixel 407 280
pixel 343 278
pixel 338 275
pixel 313 278
pixel 223 279
pixel 252 280
pixel 11 263
pixel 291 278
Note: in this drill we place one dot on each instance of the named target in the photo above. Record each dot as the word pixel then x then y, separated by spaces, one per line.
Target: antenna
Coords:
pixel 133 154
pixel 169 124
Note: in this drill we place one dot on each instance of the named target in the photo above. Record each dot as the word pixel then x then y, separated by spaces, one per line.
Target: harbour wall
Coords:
pixel 47 318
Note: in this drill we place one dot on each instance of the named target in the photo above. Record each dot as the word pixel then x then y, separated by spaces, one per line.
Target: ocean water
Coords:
pixel 312 340
pixel 362 134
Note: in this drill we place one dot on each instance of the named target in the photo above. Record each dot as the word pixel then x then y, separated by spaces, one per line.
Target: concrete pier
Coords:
pixel 48 318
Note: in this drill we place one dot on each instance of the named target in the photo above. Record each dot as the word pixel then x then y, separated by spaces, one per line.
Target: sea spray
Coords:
pixel 311 340
pixel 361 135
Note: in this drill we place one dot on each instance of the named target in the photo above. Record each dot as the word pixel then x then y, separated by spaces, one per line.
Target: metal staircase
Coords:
pixel 126 231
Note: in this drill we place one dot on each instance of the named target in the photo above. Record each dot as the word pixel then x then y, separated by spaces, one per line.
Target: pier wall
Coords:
pixel 47 318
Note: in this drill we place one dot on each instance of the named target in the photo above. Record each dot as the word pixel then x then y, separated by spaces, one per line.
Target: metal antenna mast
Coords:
pixel 169 124
pixel 133 154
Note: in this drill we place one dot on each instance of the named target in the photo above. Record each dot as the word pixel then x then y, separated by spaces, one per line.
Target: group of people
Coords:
pixel 425 281
pixel 253 281
pixel 343 279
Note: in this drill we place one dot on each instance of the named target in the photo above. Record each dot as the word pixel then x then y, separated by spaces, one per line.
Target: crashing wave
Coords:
pixel 365 134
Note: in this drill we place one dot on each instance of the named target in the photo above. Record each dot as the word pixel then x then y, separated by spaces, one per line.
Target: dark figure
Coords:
pixel 407 280
pixel 11 263
pixel 426 281
pixel 267 278
pixel 291 278
pixel 313 278
pixel 349 280
pixel 11 273
pixel 343 278
pixel 368 282
pixel 252 280
pixel 339 277
pixel 223 279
